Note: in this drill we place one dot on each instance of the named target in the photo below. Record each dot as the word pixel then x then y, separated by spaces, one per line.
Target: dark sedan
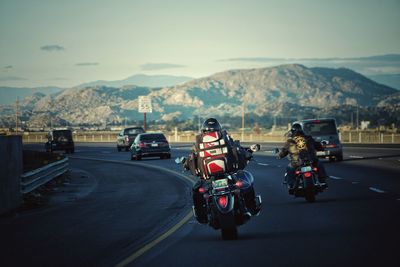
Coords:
pixel 150 145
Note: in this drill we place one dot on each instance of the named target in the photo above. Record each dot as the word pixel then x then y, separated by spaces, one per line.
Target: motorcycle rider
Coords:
pixel 300 146
pixel 240 156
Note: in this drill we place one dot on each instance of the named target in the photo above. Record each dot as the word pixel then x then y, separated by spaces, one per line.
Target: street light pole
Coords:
pixel 242 138
pixel 16 115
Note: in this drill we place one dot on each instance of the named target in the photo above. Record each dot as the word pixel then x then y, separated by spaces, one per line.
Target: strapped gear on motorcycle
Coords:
pixel 211 125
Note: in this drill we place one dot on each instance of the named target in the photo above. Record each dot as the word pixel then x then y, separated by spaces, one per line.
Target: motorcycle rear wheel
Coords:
pixel 228 226
pixel 229 234
pixel 310 196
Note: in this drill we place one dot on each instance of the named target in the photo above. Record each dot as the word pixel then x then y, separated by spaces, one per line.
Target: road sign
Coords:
pixel 145 104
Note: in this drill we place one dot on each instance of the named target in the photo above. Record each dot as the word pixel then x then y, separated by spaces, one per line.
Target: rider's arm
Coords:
pixel 284 151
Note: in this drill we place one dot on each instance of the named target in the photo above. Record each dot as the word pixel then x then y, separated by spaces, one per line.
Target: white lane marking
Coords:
pixel 335 177
pixel 376 190
pixel 354 182
pixel 356 157
pixel 263 164
pixel 106 152
pixel 279 166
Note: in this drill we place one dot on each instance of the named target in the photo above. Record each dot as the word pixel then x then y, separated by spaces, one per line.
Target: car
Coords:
pixel 324 129
pixel 126 136
pixel 150 145
pixel 60 140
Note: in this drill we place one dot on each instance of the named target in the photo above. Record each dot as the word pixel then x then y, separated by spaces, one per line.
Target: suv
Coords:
pixel 150 145
pixel 126 136
pixel 60 140
pixel 324 129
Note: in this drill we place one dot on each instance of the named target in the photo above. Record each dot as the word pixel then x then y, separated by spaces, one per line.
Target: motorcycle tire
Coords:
pixel 228 226
pixel 310 196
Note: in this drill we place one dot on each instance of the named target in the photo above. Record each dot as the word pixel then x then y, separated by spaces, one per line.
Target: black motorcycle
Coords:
pixel 306 182
pixel 224 198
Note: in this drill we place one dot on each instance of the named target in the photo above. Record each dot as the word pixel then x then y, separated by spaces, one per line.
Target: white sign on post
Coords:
pixel 145 104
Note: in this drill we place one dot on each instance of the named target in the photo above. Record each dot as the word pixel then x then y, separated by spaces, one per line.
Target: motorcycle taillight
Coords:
pixel 239 184
pixel 223 201
pixel 307 174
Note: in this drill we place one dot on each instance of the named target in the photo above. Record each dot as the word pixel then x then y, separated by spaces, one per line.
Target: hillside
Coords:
pixel 289 91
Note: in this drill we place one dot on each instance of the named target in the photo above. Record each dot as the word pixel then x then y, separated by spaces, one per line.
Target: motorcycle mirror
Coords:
pixel 276 150
pixel 255 147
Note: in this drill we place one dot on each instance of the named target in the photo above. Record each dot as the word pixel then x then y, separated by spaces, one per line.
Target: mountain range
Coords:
pixel 288 91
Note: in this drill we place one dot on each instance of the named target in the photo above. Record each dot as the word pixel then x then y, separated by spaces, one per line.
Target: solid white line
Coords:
pixel 263 164
pixel 335 177
pixel 376 190
pixel 356 157
pixel 354 182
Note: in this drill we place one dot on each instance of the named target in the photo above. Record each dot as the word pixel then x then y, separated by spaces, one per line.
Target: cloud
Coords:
pixel 52 48
pixel 12 78
pixel 160 66
pixel 87 64
pixel 253 59
pixel 8 67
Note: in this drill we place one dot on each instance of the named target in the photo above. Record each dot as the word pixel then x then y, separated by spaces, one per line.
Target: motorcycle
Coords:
pixel 224 199
pixel 306 183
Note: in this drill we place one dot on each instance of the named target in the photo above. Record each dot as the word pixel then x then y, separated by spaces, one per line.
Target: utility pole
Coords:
pixel 351 119
pixel 357 119
pixel 199 123
pixel 242 121
pixel 16 115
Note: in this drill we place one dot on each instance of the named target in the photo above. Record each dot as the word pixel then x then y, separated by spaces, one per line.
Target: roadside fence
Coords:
pixel 111 137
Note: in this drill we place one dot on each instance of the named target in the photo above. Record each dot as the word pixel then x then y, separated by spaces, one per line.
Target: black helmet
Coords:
pixel 211 125
pixel 296 129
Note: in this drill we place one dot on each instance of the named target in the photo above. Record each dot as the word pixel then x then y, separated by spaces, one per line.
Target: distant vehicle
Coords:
pixel 150 145
pixel 126 136
pixel 324 129
pixel 60 140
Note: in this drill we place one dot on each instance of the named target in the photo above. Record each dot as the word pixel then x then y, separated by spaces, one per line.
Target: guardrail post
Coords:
pixel 382 138
pixel 109 138
pixel 392 138
pixel 101 138
pixel 92 137
pixel 11 169
pixel 359 137
pixel 349 137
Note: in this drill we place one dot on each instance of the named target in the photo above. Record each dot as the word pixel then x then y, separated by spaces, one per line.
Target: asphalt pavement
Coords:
pixel 124 206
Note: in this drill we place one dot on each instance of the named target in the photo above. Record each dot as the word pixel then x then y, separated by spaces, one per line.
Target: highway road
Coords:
pixel 115 212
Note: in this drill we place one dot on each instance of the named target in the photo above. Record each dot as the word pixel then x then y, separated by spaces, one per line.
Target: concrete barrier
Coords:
pixel 10 172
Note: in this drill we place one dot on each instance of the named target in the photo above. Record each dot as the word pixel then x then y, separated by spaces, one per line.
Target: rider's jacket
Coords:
pixel 299 147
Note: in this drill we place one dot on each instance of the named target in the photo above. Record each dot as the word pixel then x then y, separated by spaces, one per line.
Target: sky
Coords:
pixel 66 43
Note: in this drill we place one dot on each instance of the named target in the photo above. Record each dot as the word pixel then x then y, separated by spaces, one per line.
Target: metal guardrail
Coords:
pixel 33 179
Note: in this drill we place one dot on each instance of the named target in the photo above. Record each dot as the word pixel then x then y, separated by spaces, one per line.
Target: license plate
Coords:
pixel 222 183
pixel 306 169
pixel 321 153
pixel 154 145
